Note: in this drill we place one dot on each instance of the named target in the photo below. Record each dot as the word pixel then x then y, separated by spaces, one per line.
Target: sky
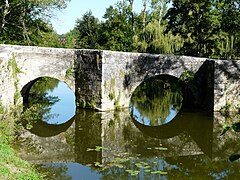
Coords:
pixel 64 20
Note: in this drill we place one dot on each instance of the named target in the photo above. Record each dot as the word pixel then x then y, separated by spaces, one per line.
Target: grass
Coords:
pixel 11 166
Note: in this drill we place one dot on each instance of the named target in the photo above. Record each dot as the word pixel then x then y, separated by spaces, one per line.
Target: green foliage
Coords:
pixel 27 22
pixel 205 27
pixel 1 108
pixel 39 102
pixel 15 70
pixel 116 31
pixel 87 31
pixel 187 76
pixel 70 73
pixel 225 110
pixel 154 40
pixel 40 87
pixel 92 103
pixel 11 166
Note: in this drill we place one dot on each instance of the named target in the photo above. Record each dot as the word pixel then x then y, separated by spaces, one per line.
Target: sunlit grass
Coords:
pixel 11 166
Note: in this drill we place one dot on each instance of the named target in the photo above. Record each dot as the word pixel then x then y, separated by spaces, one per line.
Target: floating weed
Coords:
pixel 119 165
pixel 164 173
pixel 147 170
pixel 97 148
pixel 139 165
pixel 161 148
pixel 89 165
pixel 120 160
pixel 129 170
pixel 120 154
pixel 149 148
pixel 159 172
pixel 133 172
pixel 144 163
pixel 146 167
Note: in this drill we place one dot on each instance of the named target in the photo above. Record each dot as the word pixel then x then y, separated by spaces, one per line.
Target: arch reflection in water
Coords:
pixel 49 101
pixel 156 101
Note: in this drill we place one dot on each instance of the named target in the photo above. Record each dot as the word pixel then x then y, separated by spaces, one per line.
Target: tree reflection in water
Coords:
pixel 156 101
pixel 39 104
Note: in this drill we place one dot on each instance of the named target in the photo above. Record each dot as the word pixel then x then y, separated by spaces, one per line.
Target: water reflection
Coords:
pixel 47 102
pixel 156 101
pixel 109 145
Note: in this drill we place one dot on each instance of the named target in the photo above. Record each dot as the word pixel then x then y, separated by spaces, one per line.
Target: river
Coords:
pixel 167 142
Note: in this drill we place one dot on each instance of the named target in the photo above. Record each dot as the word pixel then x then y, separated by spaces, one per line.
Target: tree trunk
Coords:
pixel 133 21
pixel 5 13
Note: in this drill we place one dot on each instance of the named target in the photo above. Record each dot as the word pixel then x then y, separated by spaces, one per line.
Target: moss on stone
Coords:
pixel 117 102
pixel 92 103
pixel 112 89
pixel 225 110
pixel 15 70
pixel 121 73
pixel 187 76
pixel 105 86
pixel 70 73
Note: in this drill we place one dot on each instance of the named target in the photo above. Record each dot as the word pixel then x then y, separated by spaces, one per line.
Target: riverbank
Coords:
pixel 11 166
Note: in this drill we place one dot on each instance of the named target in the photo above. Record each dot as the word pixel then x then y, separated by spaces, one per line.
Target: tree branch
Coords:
pixel 5 13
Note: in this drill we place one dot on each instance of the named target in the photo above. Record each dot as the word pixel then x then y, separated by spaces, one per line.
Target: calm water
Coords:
pixel 136 143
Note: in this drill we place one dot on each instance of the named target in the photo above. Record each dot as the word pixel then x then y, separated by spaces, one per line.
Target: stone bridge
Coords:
pixel 105 80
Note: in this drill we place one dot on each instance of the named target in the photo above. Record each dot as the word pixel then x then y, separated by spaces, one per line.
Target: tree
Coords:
pixel 158 9
pixel 151 36
pixel 229 36
pixel 22 21
pixel 197 23
pixel 132 18
pixel 4 12
pixel 116 30
pixel 87 29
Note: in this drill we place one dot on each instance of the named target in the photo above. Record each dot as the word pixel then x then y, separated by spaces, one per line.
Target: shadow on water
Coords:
pixel 198 125
pixel 44 129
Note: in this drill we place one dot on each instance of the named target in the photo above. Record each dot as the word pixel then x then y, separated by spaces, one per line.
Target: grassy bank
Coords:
pixel 11 166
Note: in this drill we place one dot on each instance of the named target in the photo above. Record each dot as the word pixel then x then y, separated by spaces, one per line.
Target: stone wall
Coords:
pixel 7 88
pixel 22 65
pixel 227 85
pixel 88 78
pixel 123 72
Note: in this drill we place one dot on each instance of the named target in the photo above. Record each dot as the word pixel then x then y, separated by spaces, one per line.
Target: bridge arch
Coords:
pixel 164 76
pixel 127 71
pixel 27 87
